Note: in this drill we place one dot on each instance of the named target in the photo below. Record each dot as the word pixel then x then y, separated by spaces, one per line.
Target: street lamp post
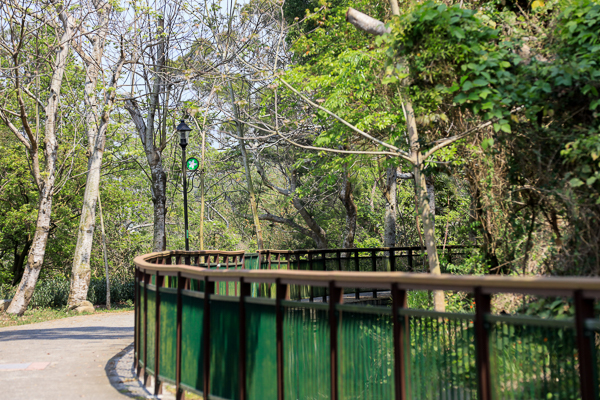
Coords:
pixel 184 132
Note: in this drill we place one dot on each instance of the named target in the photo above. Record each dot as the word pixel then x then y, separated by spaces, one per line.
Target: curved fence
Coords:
pixel 241 343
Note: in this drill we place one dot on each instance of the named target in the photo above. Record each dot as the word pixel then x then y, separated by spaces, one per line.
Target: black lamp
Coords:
pixel 184 135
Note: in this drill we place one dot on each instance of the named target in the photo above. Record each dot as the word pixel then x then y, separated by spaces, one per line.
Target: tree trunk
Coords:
pixel 318 233
pixel 253 205
pixel 391 207
pixel 424 204
pixel 347 197
pixel 81 270
pixel 35 258
pixel 159 200
pixel 97 121
pixel 45 181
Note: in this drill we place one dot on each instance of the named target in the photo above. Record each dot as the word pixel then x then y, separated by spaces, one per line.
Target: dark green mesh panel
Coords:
pixel 306 352
pixel 533 361
pixel 140 337
pixel 224 348
pixel 595 338
pixel 261 377
pixel 192 352
pixel 151 326
pixel 442 352
pixel 365 353
pixel 251 262
pixel 168 333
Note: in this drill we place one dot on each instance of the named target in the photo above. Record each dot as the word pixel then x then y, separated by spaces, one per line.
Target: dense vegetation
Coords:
pixel 504 96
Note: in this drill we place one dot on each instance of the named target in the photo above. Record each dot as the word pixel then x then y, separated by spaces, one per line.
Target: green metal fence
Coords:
pixel 240 346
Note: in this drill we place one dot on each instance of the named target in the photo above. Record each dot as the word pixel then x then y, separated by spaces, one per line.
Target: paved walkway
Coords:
pixel 82 357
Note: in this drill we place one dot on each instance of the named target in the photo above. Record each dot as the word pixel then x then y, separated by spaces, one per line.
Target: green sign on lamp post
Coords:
pixel 192 164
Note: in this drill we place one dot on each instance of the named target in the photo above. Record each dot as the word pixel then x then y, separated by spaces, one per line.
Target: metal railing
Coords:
pixel 376 259
pixel 238 346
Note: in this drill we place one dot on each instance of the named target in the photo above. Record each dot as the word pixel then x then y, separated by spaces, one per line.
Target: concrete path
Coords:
pixel 82 357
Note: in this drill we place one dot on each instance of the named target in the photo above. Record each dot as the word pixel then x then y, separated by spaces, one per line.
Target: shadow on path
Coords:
pixel 76 333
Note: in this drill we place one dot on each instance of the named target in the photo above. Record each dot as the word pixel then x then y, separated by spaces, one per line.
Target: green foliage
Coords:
pixel 54 293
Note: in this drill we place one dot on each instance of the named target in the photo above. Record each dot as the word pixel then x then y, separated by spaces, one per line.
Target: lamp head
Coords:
pixel 184 133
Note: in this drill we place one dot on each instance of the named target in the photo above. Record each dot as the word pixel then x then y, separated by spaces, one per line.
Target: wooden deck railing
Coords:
pixel 235 346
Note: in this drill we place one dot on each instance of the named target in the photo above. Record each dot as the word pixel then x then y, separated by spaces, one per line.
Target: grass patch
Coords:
pixel 34 315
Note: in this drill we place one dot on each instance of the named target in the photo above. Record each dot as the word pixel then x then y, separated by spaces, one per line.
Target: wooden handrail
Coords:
pixel 549 286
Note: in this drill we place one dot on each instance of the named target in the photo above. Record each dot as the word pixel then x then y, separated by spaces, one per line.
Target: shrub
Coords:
pixel 55 292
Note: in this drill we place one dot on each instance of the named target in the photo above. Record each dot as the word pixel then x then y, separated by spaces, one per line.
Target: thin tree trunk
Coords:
pixel 159 200
pixel 97 121
pixel 202 191
pixel 147 132
pixel 45 181
pixel 347 198
pixel 35 258
pixel 81 271
pixel 429 234
pixel 424 202
pixel 253 205
pixel 391 207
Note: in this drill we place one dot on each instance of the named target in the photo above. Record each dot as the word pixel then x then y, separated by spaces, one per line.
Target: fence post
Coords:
pixel 136 328
pixel 339 258
pixel 392 260
pixel 356 268
pixel 324 258
pixel 244 291
pixel 335 297
pixel 281 293
pixel 584 309
pixel 482 344
pixel 410 260
pixel 146 280
pixel 374 269
pixel 181 284
pixel 401 340
pixel 158 279
pixel 209 288
pixel 310 268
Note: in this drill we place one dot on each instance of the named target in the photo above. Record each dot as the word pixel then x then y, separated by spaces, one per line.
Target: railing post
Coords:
pixel 356 269
pixel 157 383
pixel 335 297
pixel 324 258
pixel 310 268
pixel 410 260
pixel 401 340
pixel 392 260
pixel 181 284
pixel 244 292
pixel 209 288
pixel 374 269
pixel 281 293
pixel 146 280
pixel 482 344
pixel 136 328
pixel 584 309
pixel 338 254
